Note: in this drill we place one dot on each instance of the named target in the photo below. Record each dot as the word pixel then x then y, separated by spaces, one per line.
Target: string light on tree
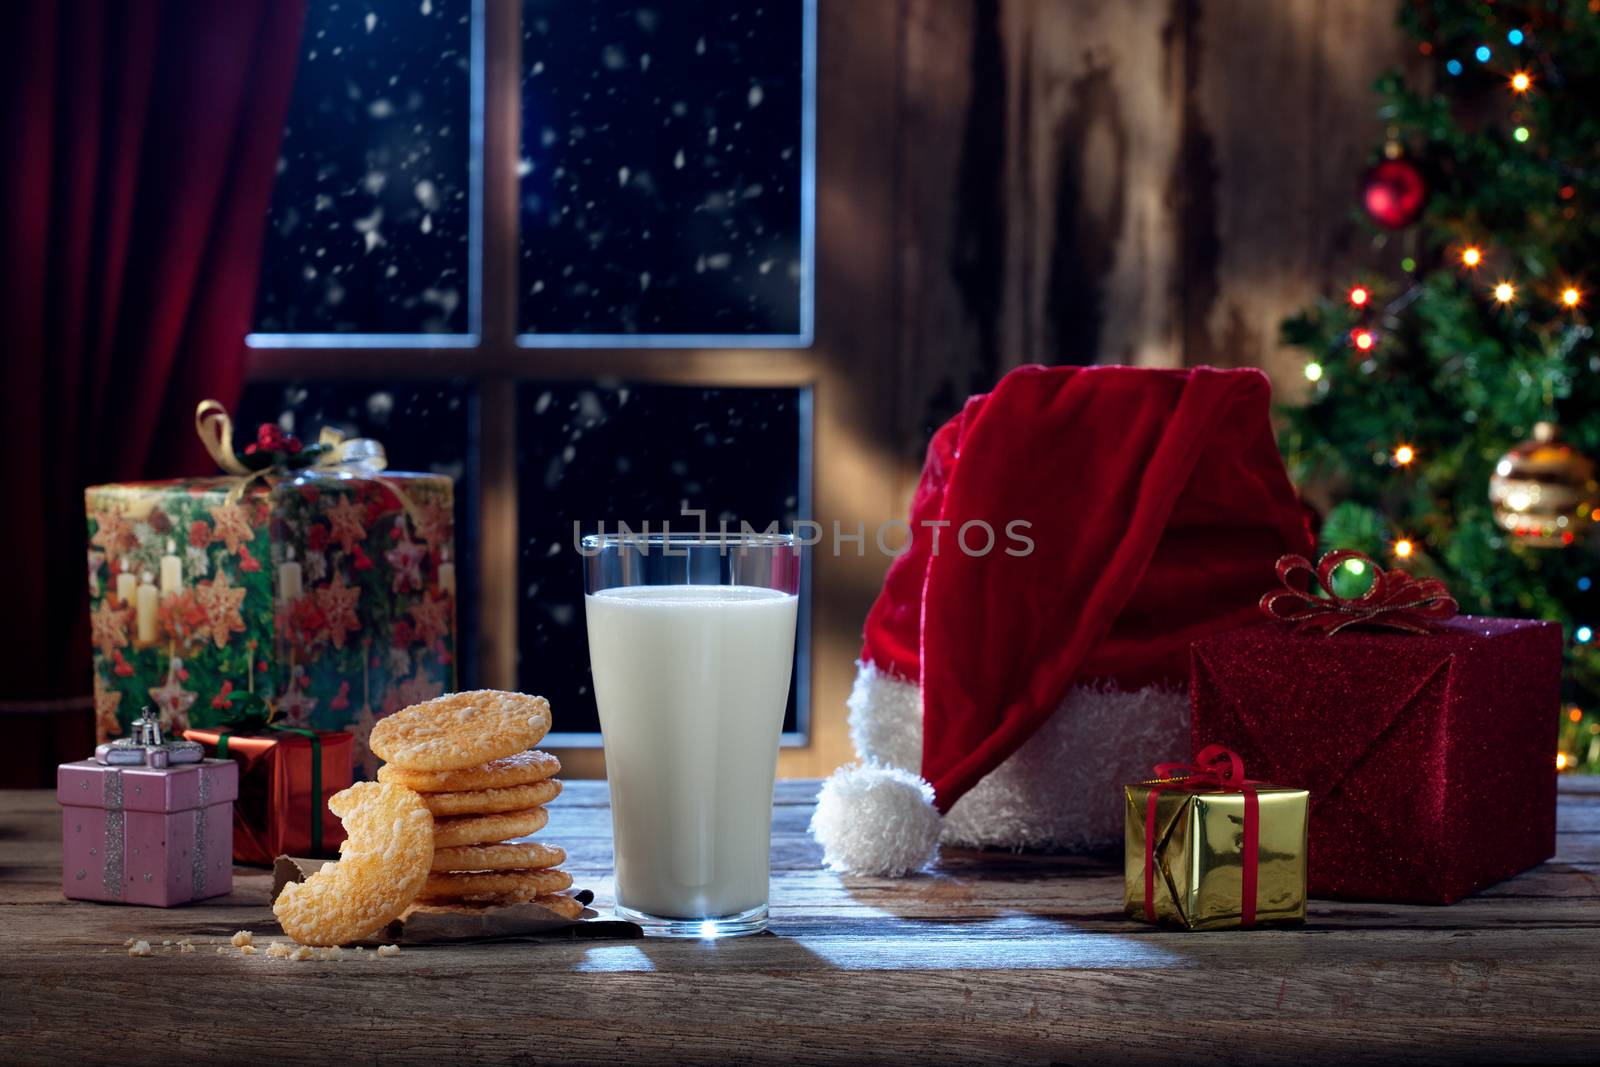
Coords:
pixel 1494 329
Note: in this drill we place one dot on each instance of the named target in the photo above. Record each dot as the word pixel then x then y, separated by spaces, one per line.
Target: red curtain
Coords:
pixel 141 141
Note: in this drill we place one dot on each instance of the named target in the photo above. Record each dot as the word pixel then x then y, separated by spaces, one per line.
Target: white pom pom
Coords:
pixel 872 819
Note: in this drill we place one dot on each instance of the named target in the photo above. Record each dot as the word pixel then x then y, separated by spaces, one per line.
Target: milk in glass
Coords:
pixel 692 682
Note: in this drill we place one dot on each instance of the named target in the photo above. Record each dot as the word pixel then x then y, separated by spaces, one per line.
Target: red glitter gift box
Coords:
pixel 1429 756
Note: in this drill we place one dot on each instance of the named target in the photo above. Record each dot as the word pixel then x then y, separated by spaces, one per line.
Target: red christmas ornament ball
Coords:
pixel 1394 193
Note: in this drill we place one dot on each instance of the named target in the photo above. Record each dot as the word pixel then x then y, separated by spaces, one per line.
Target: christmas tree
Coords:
pixel 1455 394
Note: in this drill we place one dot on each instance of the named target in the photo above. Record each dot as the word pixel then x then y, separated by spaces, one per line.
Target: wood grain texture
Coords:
pixel 1153 182
pixel 1279 120
pixel 1035 217
pixel 989 958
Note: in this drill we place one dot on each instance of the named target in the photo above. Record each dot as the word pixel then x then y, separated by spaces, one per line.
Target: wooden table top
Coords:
pixel 993 957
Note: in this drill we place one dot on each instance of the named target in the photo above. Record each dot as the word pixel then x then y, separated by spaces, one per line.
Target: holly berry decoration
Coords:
pixel 1394 192
pixel 270 437
pixel 276 447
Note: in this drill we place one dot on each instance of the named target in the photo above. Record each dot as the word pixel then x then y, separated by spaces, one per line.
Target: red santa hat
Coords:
pixel 1073 532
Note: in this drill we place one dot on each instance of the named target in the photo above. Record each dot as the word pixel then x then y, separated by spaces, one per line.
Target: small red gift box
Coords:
pixel 1429 756
pixel 285 779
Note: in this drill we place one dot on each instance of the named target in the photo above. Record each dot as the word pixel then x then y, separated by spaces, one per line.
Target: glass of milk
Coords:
pixel 691 641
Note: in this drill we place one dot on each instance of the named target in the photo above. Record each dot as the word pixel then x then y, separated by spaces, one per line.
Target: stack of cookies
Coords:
pixel 470 759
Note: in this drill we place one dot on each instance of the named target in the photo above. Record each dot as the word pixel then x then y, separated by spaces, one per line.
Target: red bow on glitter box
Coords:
pixel 1218 768
pixel 1394 600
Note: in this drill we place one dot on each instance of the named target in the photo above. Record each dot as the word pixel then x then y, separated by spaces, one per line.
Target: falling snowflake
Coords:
pixel 370 205
pixel 661 147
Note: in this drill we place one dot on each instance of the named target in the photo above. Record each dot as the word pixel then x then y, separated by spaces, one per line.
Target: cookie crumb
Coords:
pixel 139 948
pixel 301 952
pixel 128 943
pixel 185 947
pixel 243 938
pixel 388 950
pixel 247 950
pixel 334 953
pixel 278 950
pixel 166 941
pixel 222 950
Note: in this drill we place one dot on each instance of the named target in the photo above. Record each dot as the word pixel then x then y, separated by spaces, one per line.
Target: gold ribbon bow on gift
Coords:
pixel 333 452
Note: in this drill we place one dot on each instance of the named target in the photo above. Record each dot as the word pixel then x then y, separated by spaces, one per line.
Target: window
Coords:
pixel 662 172
pixel 548 247
pixel 375 215
pixel 644 453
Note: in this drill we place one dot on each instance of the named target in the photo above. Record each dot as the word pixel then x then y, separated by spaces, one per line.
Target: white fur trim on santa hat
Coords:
pixel 1060 790
pixel 886 718
pixel 872 819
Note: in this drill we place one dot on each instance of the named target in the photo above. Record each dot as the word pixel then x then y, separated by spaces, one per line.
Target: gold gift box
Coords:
pixel 1199 855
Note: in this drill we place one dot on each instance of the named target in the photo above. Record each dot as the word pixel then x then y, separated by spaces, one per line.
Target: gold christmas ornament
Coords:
pixel 1544 491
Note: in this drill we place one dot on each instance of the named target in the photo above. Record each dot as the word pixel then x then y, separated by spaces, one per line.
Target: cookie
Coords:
pixel 460 730
pixel 487 829
pixel 384 864
pixel 528 856
pixel 471 886
pixel 560 903
pixel 521 768
pixel 489 801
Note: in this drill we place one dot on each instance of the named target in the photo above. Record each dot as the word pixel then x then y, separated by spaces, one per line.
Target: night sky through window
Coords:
pixel 661 169
pixel 370 228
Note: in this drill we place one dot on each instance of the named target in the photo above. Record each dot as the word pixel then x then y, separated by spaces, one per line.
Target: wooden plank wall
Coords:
pixel 1156 182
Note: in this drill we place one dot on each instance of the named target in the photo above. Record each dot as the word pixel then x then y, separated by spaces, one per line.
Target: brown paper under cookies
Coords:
pixel 523 922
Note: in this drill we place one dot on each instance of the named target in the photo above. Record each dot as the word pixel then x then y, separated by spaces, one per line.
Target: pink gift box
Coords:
pixel 157 836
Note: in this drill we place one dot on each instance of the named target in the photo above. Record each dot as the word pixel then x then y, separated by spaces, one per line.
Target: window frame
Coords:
pixel 845 397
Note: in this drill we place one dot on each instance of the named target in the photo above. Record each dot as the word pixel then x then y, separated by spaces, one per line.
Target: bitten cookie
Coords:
pixel 487 829
pixel 527 856
pixel 522 768
pixel 489 801
pixel 384 864
pixel 460 730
